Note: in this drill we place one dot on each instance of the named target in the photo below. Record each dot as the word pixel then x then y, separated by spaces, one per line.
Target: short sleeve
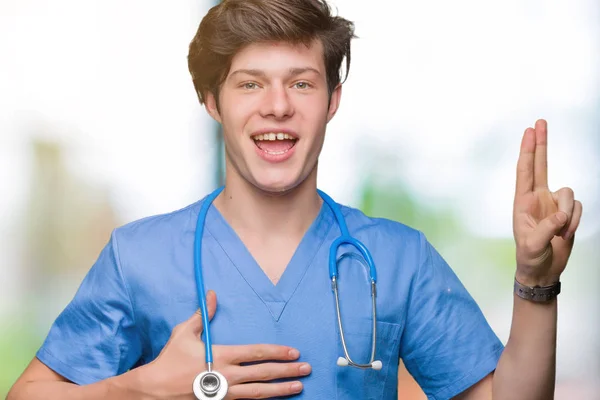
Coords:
pixel 447 345
pixel 95 336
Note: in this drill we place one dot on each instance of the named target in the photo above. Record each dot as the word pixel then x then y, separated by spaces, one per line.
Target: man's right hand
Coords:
pixel 171 374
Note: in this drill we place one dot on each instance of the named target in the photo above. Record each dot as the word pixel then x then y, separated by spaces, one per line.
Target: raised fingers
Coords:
pixel 263 390
pixel 541 154
pixel 525 165
pixel 265 372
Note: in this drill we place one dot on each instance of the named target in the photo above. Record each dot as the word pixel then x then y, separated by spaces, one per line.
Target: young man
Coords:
pixel 268 71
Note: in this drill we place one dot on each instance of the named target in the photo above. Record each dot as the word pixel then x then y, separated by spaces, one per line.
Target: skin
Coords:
pixel 273 86
pixel 276 203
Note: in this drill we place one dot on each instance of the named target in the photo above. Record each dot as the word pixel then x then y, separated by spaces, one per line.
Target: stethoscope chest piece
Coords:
pixel 210 385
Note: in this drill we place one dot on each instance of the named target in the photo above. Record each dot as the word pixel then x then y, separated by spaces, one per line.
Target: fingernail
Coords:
pixel 294 353
pixel 304 368
pixel 296 387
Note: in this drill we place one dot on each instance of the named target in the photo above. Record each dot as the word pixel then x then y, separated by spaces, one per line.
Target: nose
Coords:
pixel 277 103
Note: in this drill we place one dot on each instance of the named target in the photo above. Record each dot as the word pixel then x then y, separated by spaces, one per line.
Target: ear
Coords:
pixel 210 103
pixel 334 102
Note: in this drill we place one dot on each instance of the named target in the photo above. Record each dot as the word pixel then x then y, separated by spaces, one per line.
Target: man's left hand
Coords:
pixel 544 222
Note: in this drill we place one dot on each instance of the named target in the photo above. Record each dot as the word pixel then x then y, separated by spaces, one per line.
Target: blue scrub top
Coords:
pixel 142 285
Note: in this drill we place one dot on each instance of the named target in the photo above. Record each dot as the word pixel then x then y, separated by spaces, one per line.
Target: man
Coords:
pixel 268 71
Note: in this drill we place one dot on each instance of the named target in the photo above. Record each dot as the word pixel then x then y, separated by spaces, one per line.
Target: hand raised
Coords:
pixel 544 222
pixel 182 358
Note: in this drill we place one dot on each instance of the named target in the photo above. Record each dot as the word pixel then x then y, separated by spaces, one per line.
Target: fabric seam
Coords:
pixel 66 366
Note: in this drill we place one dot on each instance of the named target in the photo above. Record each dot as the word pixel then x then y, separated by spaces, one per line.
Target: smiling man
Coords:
pixel 269 72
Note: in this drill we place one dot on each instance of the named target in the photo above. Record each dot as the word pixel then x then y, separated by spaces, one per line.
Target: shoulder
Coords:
pixel 384 228
pixel 393 236
pixel 159 228
pixel 153 249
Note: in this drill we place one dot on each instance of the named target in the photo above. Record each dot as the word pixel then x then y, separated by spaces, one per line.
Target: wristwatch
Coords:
pixel 538 294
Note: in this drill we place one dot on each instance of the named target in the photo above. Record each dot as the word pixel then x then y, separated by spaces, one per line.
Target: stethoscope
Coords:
pixel 212 385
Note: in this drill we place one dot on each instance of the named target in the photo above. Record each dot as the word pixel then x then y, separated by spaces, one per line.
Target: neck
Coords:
pixel 249 209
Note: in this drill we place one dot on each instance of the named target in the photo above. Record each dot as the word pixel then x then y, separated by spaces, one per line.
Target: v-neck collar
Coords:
pixel 275 297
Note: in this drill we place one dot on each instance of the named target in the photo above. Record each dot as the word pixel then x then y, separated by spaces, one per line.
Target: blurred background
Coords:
pixel 100 125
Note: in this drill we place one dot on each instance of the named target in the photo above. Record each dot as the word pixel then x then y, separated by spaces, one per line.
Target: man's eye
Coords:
pixel 302 85
pixel 250 85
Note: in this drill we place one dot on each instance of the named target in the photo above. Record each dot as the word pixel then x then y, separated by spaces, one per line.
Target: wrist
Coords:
pixel 533 280
pixel 134 384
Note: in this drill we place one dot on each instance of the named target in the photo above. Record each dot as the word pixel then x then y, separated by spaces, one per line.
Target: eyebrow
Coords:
pixel 261 74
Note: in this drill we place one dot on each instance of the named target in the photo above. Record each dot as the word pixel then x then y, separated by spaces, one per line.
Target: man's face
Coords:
pixel 274 108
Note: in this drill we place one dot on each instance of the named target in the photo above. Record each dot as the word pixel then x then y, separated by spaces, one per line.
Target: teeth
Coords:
pixel 273 136
pixel 276 153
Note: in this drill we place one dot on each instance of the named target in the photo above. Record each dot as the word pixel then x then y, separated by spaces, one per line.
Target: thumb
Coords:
pixel 547 229
pixel 195 321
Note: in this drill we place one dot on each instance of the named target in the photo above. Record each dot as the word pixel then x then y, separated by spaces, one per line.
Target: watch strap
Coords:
pixel 538 294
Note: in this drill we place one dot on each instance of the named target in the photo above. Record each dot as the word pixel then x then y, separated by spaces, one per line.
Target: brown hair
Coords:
pixel 234 24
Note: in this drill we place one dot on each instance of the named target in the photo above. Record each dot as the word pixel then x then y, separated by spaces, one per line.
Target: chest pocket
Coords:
pixel 369 384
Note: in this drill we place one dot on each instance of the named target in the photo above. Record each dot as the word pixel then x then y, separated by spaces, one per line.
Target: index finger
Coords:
pixel 525 165
pixel 261 352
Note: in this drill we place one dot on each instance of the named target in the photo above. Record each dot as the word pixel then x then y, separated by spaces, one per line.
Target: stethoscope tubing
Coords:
pixel 343 239
pixel 198 273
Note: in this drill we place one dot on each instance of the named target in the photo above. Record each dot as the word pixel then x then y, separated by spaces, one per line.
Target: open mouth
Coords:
pixel 274 143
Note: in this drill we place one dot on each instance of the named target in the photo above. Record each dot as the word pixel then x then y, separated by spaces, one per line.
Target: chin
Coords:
pixel 276 186
pixel 275 189
pixel 278 180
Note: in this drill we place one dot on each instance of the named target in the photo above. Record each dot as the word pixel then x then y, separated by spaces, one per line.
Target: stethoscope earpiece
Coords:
pixel 377 365
pixel 342 362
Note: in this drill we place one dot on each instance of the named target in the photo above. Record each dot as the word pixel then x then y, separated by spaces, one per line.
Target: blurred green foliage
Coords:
pixel 19 342
pixel 395 202
pixel 485 265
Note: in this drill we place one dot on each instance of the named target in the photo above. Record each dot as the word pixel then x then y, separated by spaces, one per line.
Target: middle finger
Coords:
pixel 265 372
pixel 541 155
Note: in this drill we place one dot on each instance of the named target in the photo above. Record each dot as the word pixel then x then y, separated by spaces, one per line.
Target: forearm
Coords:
pixel 527 367
pixel 126 386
